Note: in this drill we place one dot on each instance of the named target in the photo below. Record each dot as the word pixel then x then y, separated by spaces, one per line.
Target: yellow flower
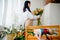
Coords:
pixel 19 33
pixel 41 9
pixel 36 12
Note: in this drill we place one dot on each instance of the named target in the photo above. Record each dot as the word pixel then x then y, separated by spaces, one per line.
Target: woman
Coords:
pixel 28 16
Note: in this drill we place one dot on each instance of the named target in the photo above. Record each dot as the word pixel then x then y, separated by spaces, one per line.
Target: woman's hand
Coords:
pixel 32 12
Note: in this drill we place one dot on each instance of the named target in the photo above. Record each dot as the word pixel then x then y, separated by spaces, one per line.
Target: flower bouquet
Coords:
pixel 38 11
pixel 13 33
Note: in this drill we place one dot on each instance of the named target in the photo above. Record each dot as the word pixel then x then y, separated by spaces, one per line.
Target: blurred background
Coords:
pixel 11 10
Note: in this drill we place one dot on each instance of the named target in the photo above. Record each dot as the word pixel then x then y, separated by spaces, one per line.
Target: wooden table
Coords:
pixel 38 27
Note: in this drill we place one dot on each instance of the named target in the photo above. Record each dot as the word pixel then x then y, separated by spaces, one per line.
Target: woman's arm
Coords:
pixel 35 17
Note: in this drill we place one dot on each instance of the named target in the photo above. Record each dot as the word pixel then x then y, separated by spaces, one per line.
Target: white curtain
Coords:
pixel 12 12
pixel 1 11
